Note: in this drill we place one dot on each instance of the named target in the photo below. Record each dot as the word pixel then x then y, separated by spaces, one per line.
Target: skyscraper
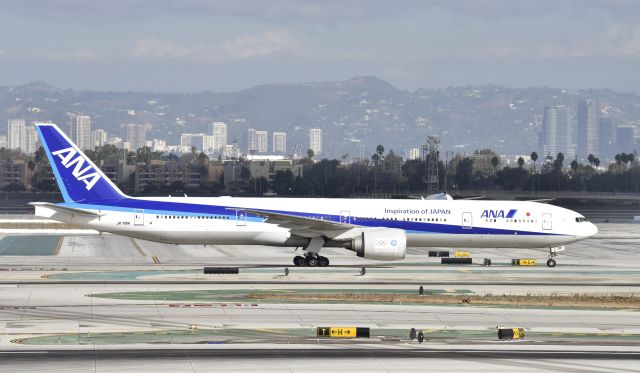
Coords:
pixel 262 142
pixel 99 137
pixel 137 135
pixel 588 131
pixel 280 142
pixel 15 133
pixel 71 125
pixel 558 132
pixel 83 131
pixel 252 142
pixel 30 140
pixel 219 133
pixel 315 140
pixel 625 139
pixel 606 137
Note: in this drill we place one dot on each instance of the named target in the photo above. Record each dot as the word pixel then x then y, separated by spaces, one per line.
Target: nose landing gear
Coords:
pixel 553 252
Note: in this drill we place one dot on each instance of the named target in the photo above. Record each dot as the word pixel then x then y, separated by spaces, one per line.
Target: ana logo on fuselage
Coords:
pixel 68 158
pixel 498 214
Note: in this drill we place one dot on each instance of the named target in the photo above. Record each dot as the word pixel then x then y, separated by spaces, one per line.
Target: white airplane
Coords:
pixel 373 228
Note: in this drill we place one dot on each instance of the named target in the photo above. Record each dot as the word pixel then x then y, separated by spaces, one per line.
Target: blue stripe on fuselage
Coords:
pixel 192 209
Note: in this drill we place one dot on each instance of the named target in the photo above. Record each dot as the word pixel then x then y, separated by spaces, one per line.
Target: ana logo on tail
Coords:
pixel 68 158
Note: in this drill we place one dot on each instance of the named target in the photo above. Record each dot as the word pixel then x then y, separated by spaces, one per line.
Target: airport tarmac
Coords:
pixel 109 303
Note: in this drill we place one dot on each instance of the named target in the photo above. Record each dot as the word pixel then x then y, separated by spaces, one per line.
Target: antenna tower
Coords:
pixel 431 154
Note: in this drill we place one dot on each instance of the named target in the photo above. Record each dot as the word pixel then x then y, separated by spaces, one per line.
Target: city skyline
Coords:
pixel 355 116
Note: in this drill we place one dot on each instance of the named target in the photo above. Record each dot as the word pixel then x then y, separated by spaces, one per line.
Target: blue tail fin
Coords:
pixel 78 178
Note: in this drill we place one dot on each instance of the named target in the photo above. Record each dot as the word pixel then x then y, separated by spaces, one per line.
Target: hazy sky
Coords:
pixel 193 45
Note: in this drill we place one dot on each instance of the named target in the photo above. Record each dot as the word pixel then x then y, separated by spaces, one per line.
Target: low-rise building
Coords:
pixel 15 173
pixel 237 172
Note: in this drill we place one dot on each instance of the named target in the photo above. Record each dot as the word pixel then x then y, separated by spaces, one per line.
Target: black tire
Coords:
pixel 412 334
pixel 323 261
pixel 298 261
pixel 551 263
pixel 312 261
pixel 420 337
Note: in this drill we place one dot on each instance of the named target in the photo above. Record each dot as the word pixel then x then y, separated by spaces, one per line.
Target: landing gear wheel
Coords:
pixel 311 261
pixel 551 263
pixel 299 261
pixel 323 261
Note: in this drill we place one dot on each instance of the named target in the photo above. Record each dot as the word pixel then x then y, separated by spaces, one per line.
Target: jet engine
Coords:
pixel 380 244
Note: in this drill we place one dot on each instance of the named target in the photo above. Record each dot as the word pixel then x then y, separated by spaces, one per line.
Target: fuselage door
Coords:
pixel 345 217
pixel 138 217
pixel 241 218
pixel 546 222
pixel 467 222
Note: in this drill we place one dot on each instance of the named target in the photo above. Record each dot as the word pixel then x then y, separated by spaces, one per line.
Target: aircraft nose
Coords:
pixel 586 230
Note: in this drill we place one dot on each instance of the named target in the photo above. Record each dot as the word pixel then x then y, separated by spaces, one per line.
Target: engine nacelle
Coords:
pixel 380 244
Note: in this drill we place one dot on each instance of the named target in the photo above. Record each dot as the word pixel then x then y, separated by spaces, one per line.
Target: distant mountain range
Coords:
pixel 362 110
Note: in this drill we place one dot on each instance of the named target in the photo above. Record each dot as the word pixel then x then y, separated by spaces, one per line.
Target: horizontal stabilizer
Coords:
pixel 66 210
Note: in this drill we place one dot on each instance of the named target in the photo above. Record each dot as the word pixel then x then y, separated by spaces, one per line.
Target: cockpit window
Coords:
pixel 580 219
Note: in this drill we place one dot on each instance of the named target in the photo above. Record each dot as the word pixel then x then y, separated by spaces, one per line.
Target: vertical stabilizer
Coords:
pixel 78 178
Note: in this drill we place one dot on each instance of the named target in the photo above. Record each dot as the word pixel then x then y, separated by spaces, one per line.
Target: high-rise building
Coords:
pixel 280 142
pixel 588 131
pixel 185 140
pixel 82 131
pixel 3 142
pixel 558 132
pixel 158 145
pixel 71 126
pixel 99 137
pixel 219 133
pixel 315 140
pixel 137 135
pixel 414 153
pixel 252 142
pixel 262 142
pixel 202 142
pixel 607 137
pixel 625 139
pixel 30 140
pixel 15 133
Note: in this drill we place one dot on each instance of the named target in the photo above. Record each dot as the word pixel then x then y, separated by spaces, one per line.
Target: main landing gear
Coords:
pixel 553 252
pixel 311 257
pixel 311 260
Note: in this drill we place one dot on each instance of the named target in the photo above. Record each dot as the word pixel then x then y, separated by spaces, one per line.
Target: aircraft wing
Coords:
pixel 303 226
pixel 66 210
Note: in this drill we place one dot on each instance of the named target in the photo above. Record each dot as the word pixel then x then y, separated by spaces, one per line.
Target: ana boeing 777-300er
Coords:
pixel 373 228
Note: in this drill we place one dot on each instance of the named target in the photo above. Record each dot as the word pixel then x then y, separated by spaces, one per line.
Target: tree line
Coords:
pixel 384 173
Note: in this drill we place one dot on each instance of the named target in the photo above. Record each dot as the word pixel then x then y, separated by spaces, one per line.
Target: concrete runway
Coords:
pixel 49 316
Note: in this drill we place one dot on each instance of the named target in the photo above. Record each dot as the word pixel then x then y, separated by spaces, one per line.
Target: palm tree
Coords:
pixel 574 167
pixel 495 161
pixel 520 165
pixel 534 158
pixel 375 159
